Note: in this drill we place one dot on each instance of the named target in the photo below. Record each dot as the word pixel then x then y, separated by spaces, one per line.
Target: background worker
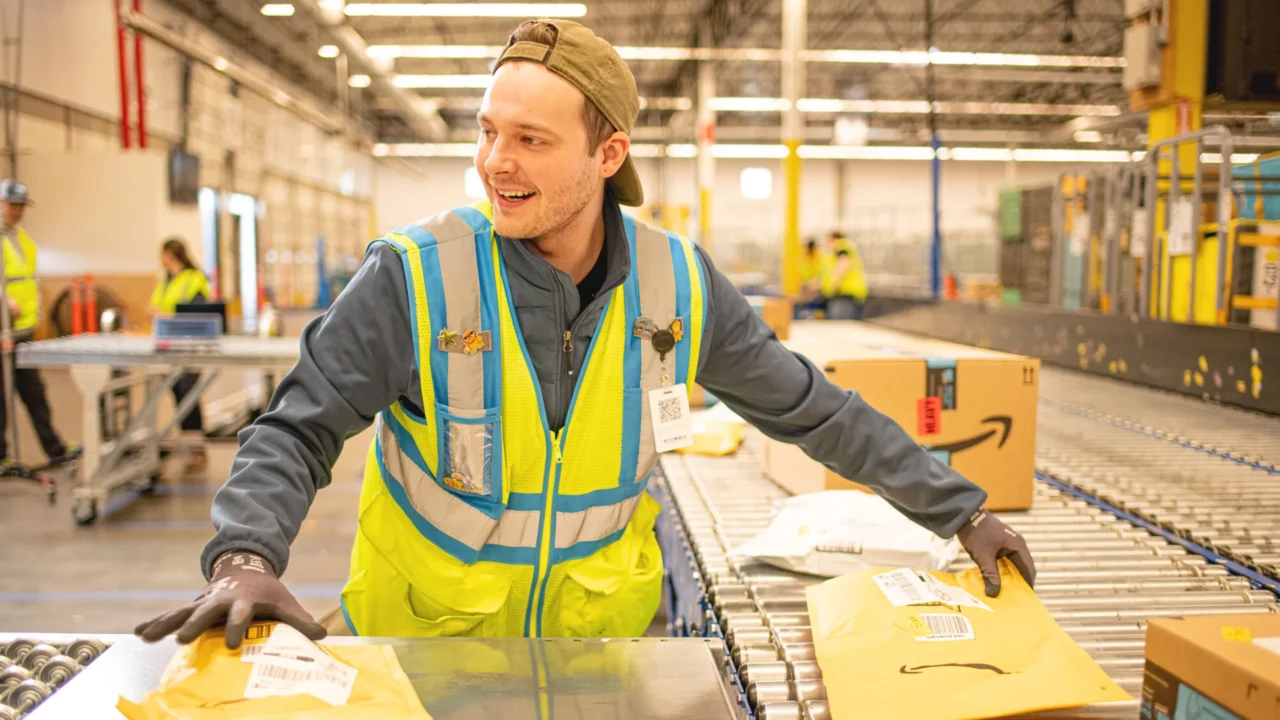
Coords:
pixel 182 282
pixel 24 312
pixel 530 517
pixel 845 284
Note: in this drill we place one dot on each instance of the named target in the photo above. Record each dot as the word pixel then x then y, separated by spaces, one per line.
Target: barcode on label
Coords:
pixel 909 587
pixel 669 410
pixel 292 675
pixel 248 651
pixel 946 627
pixel 904 587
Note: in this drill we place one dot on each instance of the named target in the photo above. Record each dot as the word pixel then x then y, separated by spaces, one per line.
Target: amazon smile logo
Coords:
pixel 1005 426
pixel 919 669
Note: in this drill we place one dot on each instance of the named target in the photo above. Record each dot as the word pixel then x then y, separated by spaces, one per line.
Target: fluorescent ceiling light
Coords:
pixel 864 152
pixel 1087 136
pixel 277 10
pixel 460 52
pixel 332 5
pixel 328 51
pixel 660 52
pixel 359 81
pixel 1062 155
pixel 220 64
pixel 460 10
pixel 765 151
pixel 1236 158
pixel 441 81
pixel 749 104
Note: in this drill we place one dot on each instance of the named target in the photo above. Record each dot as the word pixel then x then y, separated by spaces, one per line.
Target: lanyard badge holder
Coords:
pixel 668 404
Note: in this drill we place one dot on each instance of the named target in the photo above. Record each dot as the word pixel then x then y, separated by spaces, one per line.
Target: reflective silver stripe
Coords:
pixel 594 523
pixel 447 512
pixel 657 282
pixel 461 281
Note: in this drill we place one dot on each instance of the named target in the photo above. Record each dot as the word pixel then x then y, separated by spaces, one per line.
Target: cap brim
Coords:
pixel 626 184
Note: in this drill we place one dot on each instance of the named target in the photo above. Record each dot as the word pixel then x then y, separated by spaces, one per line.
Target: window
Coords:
pixel 473 185
pixel 757 183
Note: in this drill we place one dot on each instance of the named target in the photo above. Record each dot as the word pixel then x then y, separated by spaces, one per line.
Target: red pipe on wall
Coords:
pixel 141 85
pixel 124 77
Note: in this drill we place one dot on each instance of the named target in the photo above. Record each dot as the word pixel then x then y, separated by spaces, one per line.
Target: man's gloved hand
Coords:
pixel 244 588
pixel 986 539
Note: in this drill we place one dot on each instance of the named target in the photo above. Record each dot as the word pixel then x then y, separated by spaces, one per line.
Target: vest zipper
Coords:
pixel 547 541
pixel 568 352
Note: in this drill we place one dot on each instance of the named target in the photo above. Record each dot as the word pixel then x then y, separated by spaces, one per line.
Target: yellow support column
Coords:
pixel 793 40
pixel 1175 109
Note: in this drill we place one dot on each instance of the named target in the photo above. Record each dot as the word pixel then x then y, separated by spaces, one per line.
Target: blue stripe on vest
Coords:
pixel 578 503
pixel 577 551
pixel 463 553
pixel 436 307
pixel 632 398
pixel 683 306
pixel 702 283
pixel 491 508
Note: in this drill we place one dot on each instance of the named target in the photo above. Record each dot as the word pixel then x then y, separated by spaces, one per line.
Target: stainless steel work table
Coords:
pixel 477 679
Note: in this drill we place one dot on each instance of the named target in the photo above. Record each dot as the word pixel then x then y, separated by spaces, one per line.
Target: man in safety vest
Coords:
pixel 844 284
pixel 24 311
pixel 521 360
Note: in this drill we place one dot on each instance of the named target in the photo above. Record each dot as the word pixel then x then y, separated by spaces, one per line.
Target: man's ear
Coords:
pixel 615 150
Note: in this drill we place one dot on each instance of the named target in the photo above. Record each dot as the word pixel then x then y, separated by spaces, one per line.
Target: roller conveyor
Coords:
pixel 1102 591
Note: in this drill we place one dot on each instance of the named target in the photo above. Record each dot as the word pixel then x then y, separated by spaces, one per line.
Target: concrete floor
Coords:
pixel 141 557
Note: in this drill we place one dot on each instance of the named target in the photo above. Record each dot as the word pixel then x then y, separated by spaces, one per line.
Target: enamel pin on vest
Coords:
pixel 470 343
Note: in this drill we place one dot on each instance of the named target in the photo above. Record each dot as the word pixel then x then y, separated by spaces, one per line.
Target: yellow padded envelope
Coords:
pixel 206 681
pixel 949 660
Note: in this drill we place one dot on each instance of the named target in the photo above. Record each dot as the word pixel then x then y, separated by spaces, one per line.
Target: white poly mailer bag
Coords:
pixel 837 532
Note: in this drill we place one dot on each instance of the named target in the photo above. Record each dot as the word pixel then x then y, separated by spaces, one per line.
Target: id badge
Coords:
pixel 669 410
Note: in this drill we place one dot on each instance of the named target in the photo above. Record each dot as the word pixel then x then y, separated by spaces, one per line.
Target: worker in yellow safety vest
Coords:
pixel 24 312
pixel 844 284
pixel 524 362
pixel 182 282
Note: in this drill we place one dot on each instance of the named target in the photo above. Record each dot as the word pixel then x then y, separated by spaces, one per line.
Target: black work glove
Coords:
pixel 244 588
pixel 987 539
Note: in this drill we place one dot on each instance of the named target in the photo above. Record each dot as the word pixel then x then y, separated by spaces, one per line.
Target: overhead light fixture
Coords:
pixel 1236 158
pixel 865 152
pixel 359 81
pixel 277 10
pixel 749 104
pixel 282 97
pixel 467 10
pixel 1063 155
pixel 328 51
pixel 220 64
pixel 664 52
pixel 1087 136
pixel 455 52
pixel 332 5
pixel 441 81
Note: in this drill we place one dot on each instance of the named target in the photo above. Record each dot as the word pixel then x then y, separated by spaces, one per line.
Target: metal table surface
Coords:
pixel 477 679
pixel 120 350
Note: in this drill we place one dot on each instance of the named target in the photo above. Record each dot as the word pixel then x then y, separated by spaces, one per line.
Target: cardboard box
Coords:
pixel 1217 666
pixel 974 409
pixel 776 313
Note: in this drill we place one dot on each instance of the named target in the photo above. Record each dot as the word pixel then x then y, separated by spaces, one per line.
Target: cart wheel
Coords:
pixel 149 486
pixel 85 511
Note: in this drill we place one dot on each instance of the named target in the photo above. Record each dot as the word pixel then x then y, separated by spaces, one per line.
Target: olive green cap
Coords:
pixel 594 67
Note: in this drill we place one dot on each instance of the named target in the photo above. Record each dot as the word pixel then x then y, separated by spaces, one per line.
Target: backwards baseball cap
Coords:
pixel 14 192
pixel 592 65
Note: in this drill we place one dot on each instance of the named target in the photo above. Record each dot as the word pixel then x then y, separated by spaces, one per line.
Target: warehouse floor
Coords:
pixel 143 558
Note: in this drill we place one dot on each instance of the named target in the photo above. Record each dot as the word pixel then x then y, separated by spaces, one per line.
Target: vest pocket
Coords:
pixel 470 452
pixel 616 591
pixel 472 604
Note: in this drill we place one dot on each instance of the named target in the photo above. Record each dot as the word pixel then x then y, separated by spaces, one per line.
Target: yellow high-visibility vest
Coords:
pixel 20 276
pixel 854 283
pixel 476 519
pixel 172 292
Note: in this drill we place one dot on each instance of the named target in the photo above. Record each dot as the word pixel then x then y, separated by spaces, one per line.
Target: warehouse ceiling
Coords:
pixel 1037 102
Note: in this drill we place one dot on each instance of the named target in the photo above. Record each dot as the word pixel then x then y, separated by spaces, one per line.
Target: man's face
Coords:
pixel 532 154
pixel 12 213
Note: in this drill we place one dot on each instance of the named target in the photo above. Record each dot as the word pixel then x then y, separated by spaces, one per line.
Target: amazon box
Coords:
pixel 1218 666
pixel 973 409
